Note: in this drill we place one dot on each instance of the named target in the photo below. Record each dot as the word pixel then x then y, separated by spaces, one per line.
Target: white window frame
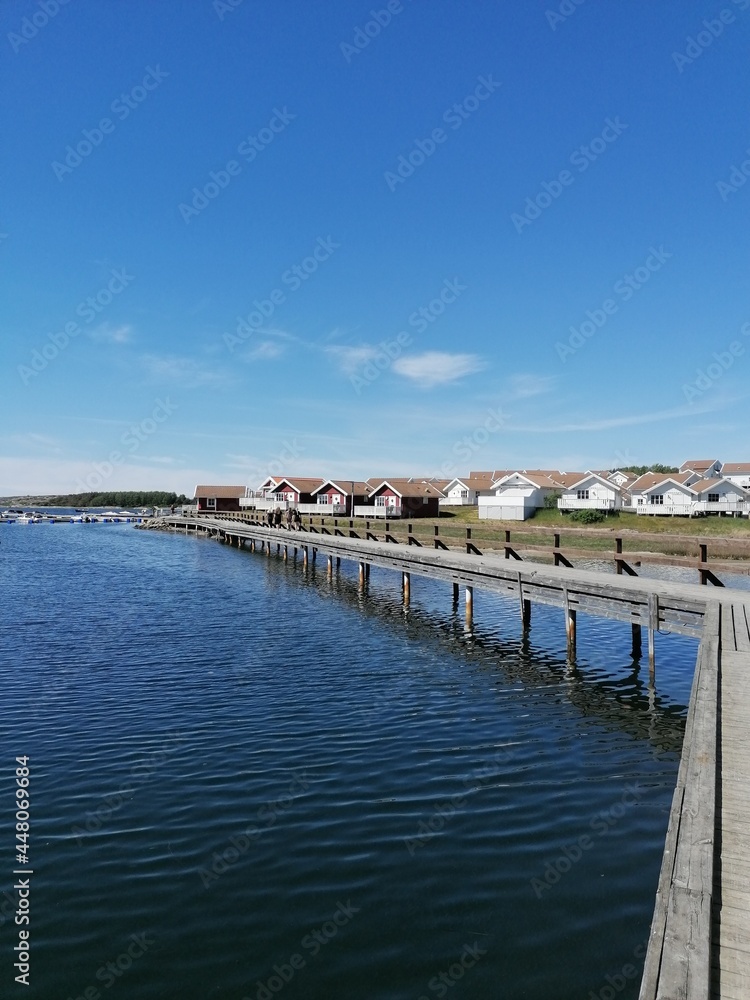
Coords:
pixel 210 503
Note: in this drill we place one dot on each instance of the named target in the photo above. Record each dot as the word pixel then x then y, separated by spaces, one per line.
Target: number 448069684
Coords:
pixel 22 809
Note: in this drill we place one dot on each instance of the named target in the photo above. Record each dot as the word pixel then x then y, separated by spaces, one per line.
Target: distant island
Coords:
pixel 123 498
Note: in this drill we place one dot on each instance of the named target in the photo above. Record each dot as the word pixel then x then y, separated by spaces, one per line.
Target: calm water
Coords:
pixel 263 785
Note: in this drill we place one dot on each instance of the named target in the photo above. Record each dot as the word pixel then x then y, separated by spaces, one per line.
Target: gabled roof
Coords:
pixel 471 482
pixel 532 478
pixel 346 489
pixel 698 464
pixel 704 485
pixel 735 468
pixel 649 480
pixel 549 479
pixel 494 475
pixel 231 492
pixel 403 488
pixel 588 476
pixel 300 484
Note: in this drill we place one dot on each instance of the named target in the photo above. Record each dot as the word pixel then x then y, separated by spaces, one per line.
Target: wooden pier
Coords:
pixel 699 945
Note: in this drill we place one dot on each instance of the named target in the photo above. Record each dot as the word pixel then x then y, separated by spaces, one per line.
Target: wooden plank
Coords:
pixel 678 960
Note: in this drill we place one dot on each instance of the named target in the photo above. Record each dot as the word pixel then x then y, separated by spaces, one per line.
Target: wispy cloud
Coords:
pixel 437 368
pixel 523 386
pixel 184 372
pixel 609 423
pixel 351 359
pixel 105 333
pixel 267 350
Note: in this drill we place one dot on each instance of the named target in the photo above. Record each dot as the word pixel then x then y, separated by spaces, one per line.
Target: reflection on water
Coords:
pixel 265 782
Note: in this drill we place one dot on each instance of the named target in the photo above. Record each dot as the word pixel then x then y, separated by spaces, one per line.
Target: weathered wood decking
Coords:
pixel 731 902
pixel 699 945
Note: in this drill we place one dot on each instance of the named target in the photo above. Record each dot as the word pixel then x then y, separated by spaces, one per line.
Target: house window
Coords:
pixel 656 498
pixel 323 498
pixel 211 503
pixel 713 497
pixel 640 502
pixel 380 501
pixel 464 493
pixel 582 494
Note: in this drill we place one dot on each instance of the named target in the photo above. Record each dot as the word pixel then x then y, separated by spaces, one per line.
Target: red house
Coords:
pixel 218 498
pixel 402 498
pixel 337 498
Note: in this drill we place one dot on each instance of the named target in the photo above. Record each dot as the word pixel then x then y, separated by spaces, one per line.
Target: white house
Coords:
pixel 664 493
pixel 517 495
pixel 466 492
pixel 704 467
pixel 720 496
pixel 591 492
pixel 737 472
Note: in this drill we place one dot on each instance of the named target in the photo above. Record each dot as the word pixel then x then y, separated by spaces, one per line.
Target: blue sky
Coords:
pixel 247 237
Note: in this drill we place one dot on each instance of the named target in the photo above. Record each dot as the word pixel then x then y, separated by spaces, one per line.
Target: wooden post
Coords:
pixel 653 625
pixel 406 588
pixel 330 567
pixel 525 607
pixel 570 627
pixel 286 552
pixel 455 593
pixel 367 571
pixel 338 563
pixel 361 576
pixel 618 562
pixel 637 642
pixel 268 549
pixel 469 604
pixel 315 552
pixel 304 557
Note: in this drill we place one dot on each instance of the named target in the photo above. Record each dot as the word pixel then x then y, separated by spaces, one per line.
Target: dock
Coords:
pixel 699 942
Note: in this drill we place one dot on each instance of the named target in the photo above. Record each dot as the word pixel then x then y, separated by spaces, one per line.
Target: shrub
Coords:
pixel 588 516
pixel 550 501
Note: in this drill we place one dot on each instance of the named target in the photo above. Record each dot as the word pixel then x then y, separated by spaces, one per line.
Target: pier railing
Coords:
pixel 540 544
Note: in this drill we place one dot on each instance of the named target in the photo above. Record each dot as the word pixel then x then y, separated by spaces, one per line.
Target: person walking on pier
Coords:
pixel 269 517
pixel 297 519
pixel 277 517
pixel 289 518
